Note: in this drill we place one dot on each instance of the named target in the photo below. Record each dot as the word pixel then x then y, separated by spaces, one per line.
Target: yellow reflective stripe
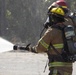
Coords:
pixel 44 44
pixel 58 45
pixel 60 64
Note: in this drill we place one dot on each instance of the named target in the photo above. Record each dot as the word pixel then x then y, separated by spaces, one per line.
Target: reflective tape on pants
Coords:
pixel 60 64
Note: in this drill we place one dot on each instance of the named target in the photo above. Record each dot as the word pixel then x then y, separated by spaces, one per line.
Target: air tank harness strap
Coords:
pixel 45 45
pixel 60 64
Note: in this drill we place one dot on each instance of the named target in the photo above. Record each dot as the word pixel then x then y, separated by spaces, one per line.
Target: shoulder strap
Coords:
pixel 60 55
pixel 57 27
pixel 55 49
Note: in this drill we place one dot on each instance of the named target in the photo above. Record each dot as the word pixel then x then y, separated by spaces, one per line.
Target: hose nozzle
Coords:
pixel 16 47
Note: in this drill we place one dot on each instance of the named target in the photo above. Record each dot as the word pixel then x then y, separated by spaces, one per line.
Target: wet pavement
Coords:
pixel 24 63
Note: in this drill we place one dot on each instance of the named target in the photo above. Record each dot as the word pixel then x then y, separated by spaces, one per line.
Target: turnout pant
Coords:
pixel 60 70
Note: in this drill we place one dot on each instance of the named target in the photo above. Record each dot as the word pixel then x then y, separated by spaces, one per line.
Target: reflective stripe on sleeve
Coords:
pixel 45 45
pixel 58 45
pixel 60 64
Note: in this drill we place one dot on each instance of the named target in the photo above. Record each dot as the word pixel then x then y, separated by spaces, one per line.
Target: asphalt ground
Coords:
pixel 24 63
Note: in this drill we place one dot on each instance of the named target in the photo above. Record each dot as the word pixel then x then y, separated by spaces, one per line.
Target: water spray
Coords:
pixel 5 45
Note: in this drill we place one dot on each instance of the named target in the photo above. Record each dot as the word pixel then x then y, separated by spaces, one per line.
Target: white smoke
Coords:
pixel 5 45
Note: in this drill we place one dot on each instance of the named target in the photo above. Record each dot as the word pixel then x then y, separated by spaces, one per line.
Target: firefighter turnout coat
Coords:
pixel 54 36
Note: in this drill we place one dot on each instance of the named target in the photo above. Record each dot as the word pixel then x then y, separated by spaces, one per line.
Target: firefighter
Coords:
pixel 52 43
pixel 57 64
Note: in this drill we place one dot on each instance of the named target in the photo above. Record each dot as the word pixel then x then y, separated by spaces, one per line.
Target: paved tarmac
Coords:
pixel 24 63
